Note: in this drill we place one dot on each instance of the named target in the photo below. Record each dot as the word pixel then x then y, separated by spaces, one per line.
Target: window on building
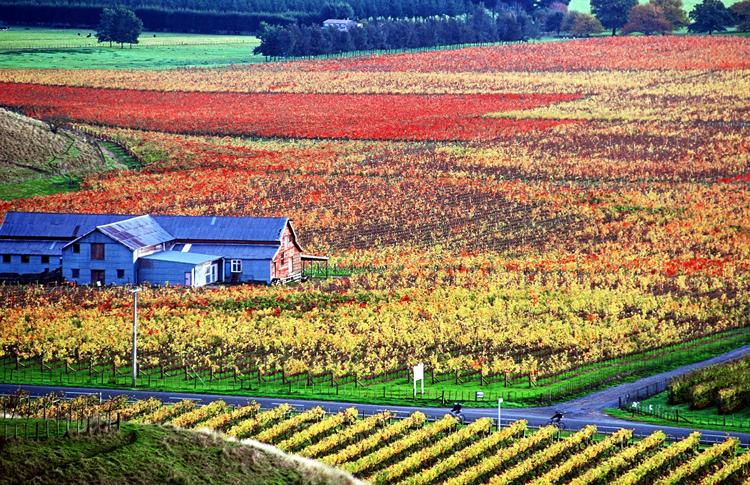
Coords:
pixel 25 258
pixel 282 259
pixel 45 259
pixel 6 258
pixel 76 248
pixel 97 251
pixel 120 274
pixel 75 273
pixel 236 266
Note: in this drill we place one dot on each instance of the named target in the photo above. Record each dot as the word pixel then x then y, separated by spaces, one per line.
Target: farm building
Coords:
pixel 107 249
pixel 341 24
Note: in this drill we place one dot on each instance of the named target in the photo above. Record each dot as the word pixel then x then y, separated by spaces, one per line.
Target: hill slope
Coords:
pixel 152 454
pixel 35 160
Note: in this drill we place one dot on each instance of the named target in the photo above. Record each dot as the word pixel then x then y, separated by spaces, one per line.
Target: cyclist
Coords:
pixel 556 420
pixel 456 412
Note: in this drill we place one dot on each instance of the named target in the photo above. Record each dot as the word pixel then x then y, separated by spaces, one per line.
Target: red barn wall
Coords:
pixel 289 250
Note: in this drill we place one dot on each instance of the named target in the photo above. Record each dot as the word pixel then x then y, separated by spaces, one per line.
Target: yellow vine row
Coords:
pixel 502 457
pixel 224 421
pixel 400 446
pixel 657 461
pixel 468 454
pixel 542 457
pixel 306 436
pixel 324 446
pixel 700 462
pixel 246 428
pixel 280 429
pixel 372 442
pixel 726 472
pixel 415 460
pixel 621 460
pixel 585 457
pixel 197 415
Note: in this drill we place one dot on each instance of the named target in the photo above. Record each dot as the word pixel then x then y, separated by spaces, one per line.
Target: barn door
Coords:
pixel 97 277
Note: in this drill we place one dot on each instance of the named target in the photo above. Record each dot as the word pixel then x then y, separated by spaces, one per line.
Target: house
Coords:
pixel 342 25
pixel 103 249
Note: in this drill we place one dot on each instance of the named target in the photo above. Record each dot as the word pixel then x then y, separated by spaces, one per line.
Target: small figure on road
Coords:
pixel 456 412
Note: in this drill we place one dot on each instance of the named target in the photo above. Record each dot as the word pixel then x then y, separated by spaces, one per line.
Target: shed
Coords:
pixel 242 262
pixel 178 268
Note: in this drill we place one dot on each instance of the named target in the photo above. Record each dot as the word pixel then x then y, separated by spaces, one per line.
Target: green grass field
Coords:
pixel 574 383
pixel 65 49
pixel 585 5
pixel 657 410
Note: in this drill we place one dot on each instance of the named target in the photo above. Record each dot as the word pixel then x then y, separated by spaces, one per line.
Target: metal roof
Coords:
pixel 137 232
pixel 198 228
pixel 32 248
pixel 54 226
pixel 180 257
pixel 221 228
pixel 232 251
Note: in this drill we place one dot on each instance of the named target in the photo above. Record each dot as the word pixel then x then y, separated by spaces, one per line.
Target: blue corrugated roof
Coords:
pixel 206 228
pixel 45 248
pixel 54 226
pixel 137 232
pixel 218 228
pixel 234 251
pixel 178 257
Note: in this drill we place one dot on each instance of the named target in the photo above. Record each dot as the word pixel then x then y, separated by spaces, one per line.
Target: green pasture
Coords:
pixel 65 49
pixel 585 5
pixel 657 410
pixel 396 391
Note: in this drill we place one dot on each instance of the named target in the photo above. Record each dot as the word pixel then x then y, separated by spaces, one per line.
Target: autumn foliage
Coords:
pixel 506 209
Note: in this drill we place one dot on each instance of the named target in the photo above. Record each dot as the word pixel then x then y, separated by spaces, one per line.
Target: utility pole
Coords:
pixel 134 356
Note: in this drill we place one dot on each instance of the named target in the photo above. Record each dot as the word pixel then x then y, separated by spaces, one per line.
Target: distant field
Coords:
pixel 65 49
pixel 585 5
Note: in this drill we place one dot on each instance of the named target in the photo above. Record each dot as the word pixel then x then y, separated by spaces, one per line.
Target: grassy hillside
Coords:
pixel 152 454
pixel 66 49
pixel 34 160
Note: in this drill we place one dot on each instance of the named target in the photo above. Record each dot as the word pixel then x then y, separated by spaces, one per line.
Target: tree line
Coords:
pixel 219 16
pixel 481 25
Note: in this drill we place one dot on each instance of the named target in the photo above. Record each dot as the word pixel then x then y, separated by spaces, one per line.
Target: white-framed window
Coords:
pixel 236 266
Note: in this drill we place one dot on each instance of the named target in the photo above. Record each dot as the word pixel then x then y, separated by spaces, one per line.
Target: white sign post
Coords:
pixel 418 376
pixel 499 413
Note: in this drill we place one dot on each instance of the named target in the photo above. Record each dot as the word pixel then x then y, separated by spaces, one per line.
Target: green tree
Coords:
pixel 674 12
pixel 612 14
pixel 120 25
pixel 580 24
pixel 648 19
pixel 710 16
pixel 341 10
pixel 553 22
pixel 741 11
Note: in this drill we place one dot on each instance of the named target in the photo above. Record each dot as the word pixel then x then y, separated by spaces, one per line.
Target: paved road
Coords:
pixel 579 412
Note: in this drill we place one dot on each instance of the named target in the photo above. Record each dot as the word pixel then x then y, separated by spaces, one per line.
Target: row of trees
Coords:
pixel 481 25
pixel 504 23
pixel 220 16
pixel 660 16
